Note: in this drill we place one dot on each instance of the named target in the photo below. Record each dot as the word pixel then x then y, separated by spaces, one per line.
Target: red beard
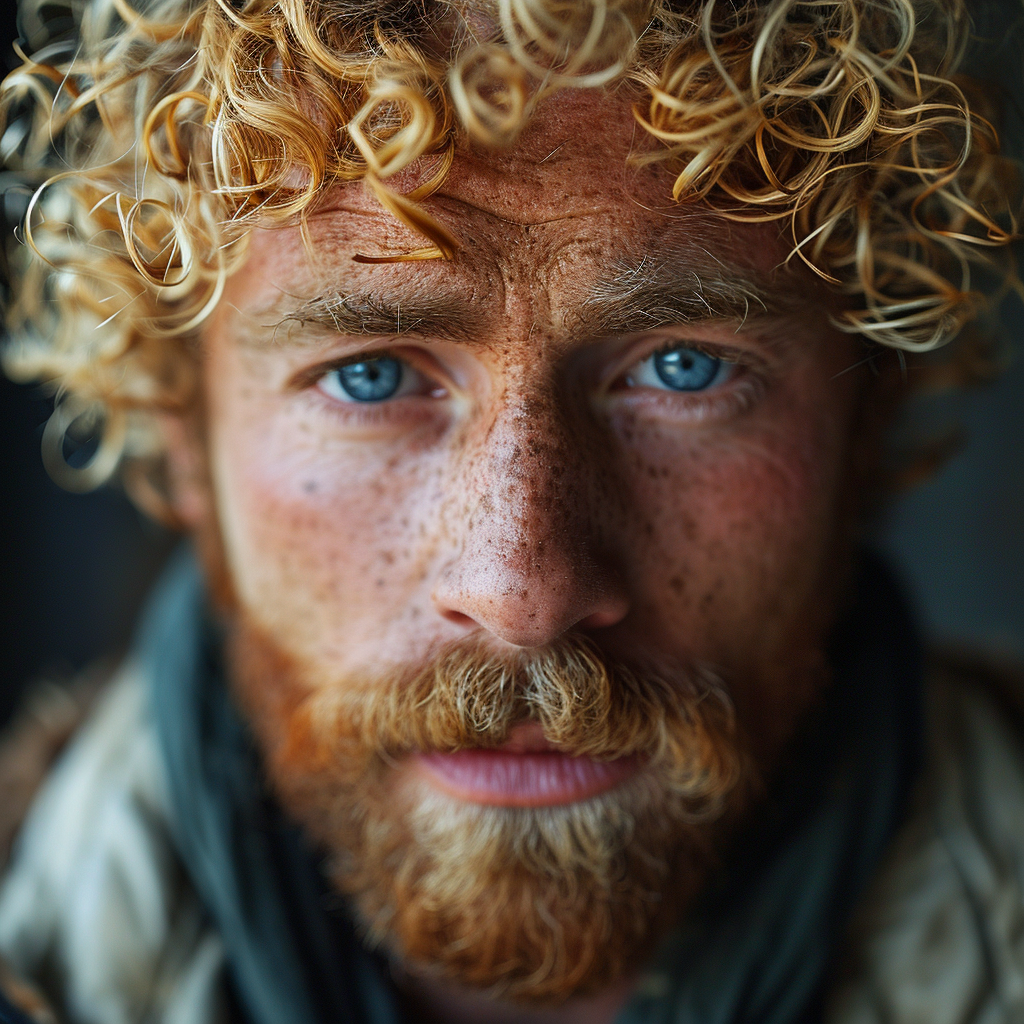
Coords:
pixel 532 904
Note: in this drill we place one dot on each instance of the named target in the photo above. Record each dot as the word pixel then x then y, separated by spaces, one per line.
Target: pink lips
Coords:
pixel 526 771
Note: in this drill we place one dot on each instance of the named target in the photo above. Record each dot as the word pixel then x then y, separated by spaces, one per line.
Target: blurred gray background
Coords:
pixel 958 539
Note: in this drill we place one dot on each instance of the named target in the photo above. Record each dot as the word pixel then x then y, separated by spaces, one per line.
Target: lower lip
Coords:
pixel 504 779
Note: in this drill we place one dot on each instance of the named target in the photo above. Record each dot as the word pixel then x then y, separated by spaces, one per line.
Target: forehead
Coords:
pixel 566 206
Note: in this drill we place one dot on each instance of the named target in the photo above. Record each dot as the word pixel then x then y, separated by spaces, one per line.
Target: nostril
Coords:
pixel 458 618
pixel 613 612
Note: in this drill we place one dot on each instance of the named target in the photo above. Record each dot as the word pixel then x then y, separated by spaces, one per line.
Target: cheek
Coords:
pixel 320 535
pixel 739 532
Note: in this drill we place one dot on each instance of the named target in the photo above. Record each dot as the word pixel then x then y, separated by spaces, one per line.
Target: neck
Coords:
pixel 433 1001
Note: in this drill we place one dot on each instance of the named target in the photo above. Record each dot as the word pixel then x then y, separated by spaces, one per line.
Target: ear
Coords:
pixel 187 486
pixel 885 390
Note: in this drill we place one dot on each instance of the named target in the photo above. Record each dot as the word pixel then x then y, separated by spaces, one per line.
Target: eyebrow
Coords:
pixel 656 293
pixel 366 315
pixel 642 296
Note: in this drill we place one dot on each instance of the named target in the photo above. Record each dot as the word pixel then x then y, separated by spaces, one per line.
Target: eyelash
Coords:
pixel 365 414
pixel 741 390
pixel 731 399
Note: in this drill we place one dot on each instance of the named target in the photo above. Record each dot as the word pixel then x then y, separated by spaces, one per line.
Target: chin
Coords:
pixel 531 905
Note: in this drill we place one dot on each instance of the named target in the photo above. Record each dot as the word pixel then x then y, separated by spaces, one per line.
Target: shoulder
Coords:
pixel 95 907
pixel 108 772
pixel 49 716
pixel 937 937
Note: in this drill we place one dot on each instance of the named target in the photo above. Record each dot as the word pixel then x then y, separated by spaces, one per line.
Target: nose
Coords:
pixel 529 525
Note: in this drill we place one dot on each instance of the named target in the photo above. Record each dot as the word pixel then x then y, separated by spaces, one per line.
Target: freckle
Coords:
pixel 678 584
pixel 388 557
pixel 379 583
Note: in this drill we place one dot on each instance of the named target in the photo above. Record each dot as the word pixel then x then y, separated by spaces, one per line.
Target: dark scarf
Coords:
pixel 757 947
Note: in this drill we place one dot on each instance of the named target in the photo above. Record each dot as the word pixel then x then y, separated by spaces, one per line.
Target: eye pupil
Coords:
pixel 371 381
pixel 686 369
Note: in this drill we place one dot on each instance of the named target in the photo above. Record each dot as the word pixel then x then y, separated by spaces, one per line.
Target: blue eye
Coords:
pixel 686 369
pixel 680 369
pixel 373 380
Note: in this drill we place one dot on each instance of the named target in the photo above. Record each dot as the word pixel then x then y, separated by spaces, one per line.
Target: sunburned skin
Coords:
pixel 533 477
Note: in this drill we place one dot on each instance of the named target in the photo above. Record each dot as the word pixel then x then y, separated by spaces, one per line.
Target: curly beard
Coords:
pixel 531 904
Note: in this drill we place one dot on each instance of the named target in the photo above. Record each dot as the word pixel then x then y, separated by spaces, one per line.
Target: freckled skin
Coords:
pixel 528 499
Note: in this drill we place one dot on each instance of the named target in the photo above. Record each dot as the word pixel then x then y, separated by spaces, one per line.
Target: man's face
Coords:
pixel 609 424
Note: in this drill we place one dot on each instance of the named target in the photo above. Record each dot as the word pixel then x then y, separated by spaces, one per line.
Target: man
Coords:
pixel 520 373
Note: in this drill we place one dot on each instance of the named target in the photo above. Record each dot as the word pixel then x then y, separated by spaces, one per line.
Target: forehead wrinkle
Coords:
pixel 522 221
pixel 450 205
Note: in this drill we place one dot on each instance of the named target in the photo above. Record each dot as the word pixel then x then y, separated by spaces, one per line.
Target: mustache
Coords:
pixel 679 720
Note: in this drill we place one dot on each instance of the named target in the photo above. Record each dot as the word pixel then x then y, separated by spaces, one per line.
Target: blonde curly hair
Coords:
pixel 161 137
